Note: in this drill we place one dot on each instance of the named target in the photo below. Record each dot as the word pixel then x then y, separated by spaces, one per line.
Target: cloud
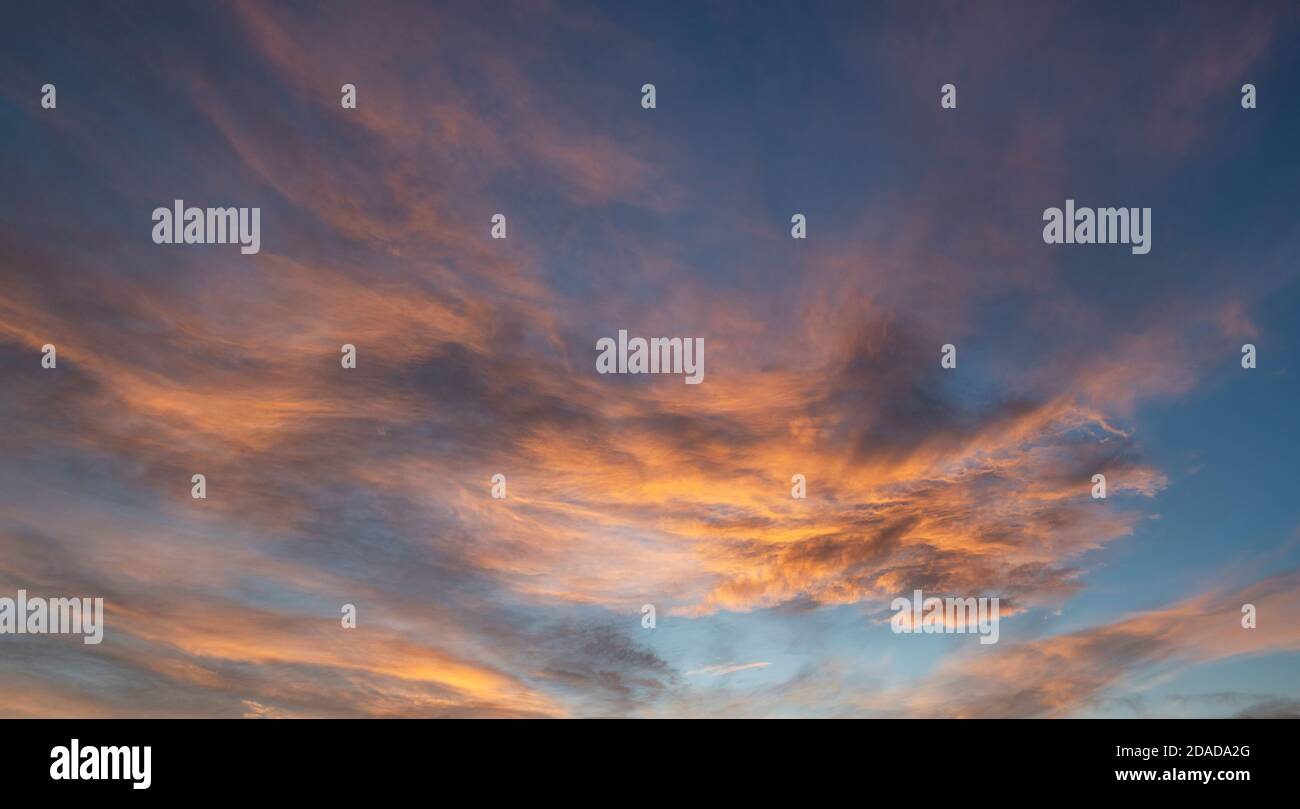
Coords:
pixel 1063 674
pixel 370 486
pixel 732 668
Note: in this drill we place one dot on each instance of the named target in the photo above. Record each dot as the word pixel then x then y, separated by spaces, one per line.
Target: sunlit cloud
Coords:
pixel 371 486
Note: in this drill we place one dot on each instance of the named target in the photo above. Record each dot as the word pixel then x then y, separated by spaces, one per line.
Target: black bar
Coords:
pixel 982 758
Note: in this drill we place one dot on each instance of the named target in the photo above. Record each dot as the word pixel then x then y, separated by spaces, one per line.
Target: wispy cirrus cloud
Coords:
pixel 1060 675
pixel 370 486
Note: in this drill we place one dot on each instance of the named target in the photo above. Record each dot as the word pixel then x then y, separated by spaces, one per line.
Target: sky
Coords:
pixel 371 486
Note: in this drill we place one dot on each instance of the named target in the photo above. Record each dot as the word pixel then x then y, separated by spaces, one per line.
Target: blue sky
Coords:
pixel 371 486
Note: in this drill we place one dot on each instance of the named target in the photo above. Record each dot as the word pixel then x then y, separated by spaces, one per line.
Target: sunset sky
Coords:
pixel 371 486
